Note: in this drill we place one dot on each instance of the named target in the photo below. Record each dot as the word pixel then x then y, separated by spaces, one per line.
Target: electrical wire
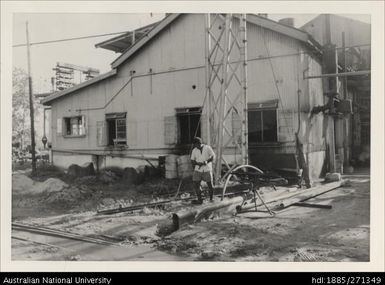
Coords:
pixel 70 39
pixel 117 33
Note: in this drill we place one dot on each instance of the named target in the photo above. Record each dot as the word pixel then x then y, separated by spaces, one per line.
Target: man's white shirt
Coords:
pixel 202 156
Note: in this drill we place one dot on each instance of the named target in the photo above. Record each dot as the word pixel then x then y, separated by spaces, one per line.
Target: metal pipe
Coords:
pixel 105 154
pixel 243 52
pixel 140 206
pixel 208 75
pixel 352 73
pixel 309 205
pixel 195 215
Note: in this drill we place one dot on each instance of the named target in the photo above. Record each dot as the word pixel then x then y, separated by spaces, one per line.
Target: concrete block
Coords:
pixel 331 177
pixel 86 169
pixel 132 177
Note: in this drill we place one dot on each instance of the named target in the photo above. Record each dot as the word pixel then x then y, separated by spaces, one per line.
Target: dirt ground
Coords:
pixel 293 234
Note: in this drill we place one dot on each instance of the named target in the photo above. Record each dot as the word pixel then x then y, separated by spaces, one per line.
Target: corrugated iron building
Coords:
pixel 150 103
pixel 352 132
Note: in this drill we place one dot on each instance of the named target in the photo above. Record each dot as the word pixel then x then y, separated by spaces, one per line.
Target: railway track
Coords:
pixel 61 234
pixel 73 246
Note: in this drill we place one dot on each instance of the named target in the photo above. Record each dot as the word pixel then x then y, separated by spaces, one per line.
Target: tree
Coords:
pixel 20 108
pixel 21 125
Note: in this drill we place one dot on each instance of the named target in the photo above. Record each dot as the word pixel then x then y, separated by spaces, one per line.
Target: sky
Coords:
pixel 46 27
pixel 53 26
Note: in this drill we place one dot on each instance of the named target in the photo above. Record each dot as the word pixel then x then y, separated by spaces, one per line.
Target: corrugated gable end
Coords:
pixel 138 45
pixel 292 32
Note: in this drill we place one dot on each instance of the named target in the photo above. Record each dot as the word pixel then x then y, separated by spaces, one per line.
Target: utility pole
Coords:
pixel 345 96
pixel 330 64
pixel 31 109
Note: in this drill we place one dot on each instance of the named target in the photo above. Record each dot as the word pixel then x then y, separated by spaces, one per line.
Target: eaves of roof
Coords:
pixel 139 44
pixel 122 42
pixel 60 94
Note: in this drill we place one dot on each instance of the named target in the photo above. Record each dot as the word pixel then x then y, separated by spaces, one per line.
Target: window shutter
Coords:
pixel 236 127
pixel 59 126
pixel 101 133
pixel 286 132
pixel 170 130
pixel 131 134
pixel 83 126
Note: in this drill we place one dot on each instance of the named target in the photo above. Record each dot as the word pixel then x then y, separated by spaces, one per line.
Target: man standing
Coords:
pixel 202 156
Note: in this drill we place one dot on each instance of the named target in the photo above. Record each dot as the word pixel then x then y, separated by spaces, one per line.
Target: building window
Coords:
pixel 262 123
pixel 74 126
pixel 117 130
pixel 188 124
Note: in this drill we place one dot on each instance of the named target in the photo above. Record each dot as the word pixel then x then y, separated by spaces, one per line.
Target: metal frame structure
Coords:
pixel 226 86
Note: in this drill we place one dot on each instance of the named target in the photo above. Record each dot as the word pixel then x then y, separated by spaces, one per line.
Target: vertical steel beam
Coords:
pixel 243 52
pixel 208 76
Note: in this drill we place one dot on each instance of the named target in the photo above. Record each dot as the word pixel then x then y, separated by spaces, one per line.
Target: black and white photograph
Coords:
pixel 238 135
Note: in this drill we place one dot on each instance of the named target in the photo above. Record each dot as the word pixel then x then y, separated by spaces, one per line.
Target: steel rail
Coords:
pixel 58 233
pixel 40 243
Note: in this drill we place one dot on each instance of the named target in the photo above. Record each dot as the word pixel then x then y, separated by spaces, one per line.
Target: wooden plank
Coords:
pixel 301 195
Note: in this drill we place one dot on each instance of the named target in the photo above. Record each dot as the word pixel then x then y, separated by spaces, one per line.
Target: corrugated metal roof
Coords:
pixel 122 42
pixel 158 28
pixel 59 94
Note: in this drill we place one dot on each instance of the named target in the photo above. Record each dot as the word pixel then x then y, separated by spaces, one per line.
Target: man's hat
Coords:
pixel 197 140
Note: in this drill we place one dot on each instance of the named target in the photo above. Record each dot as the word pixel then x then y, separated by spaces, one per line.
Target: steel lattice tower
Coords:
pixel 226 83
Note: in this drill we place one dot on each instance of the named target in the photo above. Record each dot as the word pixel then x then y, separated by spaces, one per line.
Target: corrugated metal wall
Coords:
pixel 356 32
pixel 176 60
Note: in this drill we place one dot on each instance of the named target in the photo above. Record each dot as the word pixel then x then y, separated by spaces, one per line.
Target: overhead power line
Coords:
pixel 117 33
pixel 70 39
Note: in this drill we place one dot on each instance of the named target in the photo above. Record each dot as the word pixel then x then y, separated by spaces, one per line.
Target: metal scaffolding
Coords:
pixel 226 82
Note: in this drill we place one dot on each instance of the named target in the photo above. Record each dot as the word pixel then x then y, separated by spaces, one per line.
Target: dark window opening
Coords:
pixel 262 126
pixel 188 124
pixel 74 126
pixel 117 133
